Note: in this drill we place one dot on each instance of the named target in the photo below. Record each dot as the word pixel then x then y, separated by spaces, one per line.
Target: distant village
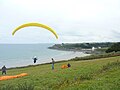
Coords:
pixel 83 47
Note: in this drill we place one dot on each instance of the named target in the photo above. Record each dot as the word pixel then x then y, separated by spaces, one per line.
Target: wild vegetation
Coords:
pixel 114 48
pixel 97 74
pixel 97 56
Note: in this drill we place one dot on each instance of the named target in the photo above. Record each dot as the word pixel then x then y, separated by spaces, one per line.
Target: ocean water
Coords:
pixel 16 55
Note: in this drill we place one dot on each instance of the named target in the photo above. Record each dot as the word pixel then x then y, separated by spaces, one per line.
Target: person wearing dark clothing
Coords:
pixel 35 59
pixel 69 65
pixel 53 62
pixel 4 70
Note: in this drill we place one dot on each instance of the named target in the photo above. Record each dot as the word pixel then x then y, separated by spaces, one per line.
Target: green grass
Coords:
pixel 97 74
pixel 96 56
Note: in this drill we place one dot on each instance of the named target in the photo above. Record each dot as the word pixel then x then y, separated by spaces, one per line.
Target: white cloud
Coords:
pixel 73 20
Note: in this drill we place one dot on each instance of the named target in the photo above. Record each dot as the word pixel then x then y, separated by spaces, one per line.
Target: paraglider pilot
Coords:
pixel 35 59
pixel 53 64
pixel 4 70
pixel 68 65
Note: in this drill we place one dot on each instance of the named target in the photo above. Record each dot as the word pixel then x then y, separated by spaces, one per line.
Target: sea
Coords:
pixel 17 55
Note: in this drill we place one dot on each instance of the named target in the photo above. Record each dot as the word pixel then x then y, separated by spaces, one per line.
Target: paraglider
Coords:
pixel 14 76
pixel 35 59
pixel 4 70
pixel 36 25
pixel 64 66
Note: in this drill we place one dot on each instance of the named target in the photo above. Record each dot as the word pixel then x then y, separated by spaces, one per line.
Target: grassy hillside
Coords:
pixel 98 74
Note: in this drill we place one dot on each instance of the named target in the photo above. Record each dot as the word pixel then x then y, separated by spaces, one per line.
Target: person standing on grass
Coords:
pixel 68 65
pixel 4 70
pixel 53 62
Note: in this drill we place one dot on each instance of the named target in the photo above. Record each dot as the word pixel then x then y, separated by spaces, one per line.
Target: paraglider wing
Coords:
pixel 37 25
pixel 14 76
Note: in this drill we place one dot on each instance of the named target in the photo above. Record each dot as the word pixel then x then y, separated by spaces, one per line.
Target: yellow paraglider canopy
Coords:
pixel 37 25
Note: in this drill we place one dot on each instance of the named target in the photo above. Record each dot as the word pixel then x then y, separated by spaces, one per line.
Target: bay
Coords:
pixel 16 55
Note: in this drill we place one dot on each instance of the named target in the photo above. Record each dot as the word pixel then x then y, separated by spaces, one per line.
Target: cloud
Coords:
pixel 73 20
pixel 115 35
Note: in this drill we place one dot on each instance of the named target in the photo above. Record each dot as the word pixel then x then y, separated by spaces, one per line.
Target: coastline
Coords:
pixel 65 58
pixel 85 51
pixel 21 55
pixel 87 48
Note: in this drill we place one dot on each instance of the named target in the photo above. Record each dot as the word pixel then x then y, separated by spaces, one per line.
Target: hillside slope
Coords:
pixel 97 74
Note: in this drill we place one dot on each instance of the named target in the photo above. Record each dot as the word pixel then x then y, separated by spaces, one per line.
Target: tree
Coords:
pixel 114 48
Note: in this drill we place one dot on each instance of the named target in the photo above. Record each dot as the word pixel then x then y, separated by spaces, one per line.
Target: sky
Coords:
pixel 75 21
